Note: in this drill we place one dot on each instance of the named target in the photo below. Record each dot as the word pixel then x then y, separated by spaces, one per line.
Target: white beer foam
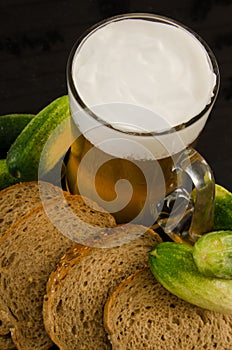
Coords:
pixel 141 76
pixel 161 68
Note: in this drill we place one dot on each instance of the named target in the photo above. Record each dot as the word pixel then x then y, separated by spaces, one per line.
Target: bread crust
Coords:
pixel 112 299
pixel 19 184
pixel 56 279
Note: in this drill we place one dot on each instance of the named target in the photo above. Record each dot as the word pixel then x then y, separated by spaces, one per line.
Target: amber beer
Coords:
pixel 117 169
pixel 134 60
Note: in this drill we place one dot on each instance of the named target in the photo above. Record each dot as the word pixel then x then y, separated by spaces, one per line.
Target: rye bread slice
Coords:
pixel 30 250
pixel 140 313
pixel 17 200
pixel 78 289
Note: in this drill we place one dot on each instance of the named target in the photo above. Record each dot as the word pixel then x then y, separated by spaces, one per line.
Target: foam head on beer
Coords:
pixel 140 75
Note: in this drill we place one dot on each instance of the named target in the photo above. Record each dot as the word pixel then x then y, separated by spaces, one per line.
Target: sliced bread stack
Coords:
pixel 78 289
pixel 15 201
pixel 140 313
pixel 30 250
pixel 92 304
pixel 80 297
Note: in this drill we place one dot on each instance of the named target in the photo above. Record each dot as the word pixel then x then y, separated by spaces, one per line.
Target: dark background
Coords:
pixel 36 37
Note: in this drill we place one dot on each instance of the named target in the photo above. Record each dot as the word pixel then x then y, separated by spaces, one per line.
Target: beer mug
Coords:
pixel 141 88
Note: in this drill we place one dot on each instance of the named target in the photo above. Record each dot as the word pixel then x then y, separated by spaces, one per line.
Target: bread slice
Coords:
pixel 78 289
pixel 30 250
pixel 140 313
pixel 18 199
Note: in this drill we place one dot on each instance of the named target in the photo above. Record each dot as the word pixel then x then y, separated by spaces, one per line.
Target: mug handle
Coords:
pixel 186 216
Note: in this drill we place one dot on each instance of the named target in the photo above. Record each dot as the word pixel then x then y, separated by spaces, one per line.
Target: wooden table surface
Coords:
pixel 36 37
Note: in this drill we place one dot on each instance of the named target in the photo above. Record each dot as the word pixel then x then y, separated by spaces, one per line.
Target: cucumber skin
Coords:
pixel 222 209
pixel 6 179
pixel 11 125
pixel 24 155
pixel 173 266
pixel 212 254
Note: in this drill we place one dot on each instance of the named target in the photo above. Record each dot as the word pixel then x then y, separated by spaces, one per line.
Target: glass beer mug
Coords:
pixel 141 88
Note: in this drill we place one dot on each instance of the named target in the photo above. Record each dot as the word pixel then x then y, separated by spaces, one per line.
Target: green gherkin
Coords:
pixel 11 125
pixel 212 254
pixel 222 209
pixel 6 179
pixel 173 266
pixel 24 156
